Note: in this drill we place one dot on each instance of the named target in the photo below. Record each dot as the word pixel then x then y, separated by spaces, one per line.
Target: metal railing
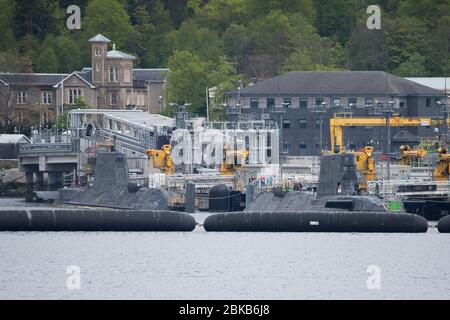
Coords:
pixel 48 148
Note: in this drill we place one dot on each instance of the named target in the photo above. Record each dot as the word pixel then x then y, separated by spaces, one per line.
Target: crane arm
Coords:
pixel 337 124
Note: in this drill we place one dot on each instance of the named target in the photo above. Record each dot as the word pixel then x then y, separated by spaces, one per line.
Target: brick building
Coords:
pixel 111 82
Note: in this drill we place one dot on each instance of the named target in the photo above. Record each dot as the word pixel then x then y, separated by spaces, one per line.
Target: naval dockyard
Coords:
pixel 127 170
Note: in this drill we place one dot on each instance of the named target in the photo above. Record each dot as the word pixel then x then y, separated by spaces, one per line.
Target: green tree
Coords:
pixel 201 41
pixel 413 67
pixel 337 18
pixel 109 18
pixel 11 61
pixel 47 61
pixel 7 38
pixel 190 76
pixel 68 54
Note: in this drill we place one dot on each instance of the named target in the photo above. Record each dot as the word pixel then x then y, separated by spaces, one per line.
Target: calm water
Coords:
pixel 202 265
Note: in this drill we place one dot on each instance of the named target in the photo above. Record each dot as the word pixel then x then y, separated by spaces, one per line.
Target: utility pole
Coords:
pixel 207 104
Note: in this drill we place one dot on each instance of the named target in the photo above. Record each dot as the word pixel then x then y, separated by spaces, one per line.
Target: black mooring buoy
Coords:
pixel 444 225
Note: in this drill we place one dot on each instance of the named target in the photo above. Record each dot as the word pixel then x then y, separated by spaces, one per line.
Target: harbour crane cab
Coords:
pixel 162 159
pixel 442 170
pixel 232 160
pixel 365 164
pixel 411 156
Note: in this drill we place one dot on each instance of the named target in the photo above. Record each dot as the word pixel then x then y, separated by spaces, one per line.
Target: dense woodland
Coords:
pixel 217 42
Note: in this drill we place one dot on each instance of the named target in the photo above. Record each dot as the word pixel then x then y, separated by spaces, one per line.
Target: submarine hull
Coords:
pixel 95 220
pixel 316 222
pixel 444 225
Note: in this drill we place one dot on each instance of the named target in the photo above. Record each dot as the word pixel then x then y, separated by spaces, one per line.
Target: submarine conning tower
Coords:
pixel 111 171
pixel 338 175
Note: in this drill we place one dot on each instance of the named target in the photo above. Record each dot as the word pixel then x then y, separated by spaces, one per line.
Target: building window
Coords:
pixel 21 97
pixel 47 97
pixel 270 103
pixel 303 147
pixel 287 102
pixel 98 52
pixel 369 101
pixel 402 102
pixel 352 102
pixel 97 67
pixel 254 103
pixel 114 74
pixel 74 94
pixel 286 124
pixel 319 101
pixel 286 148
pixel 303 103
pixel 317 123
pixel 113 98
pixel 303 123
pixel 336 102
pixel 428 102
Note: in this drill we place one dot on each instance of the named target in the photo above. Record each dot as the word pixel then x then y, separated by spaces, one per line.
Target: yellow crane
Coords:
pixel 238 158
pixel 365 162
pixel 442 170
pixel 409 156
pixel 162 159
pixel 337 124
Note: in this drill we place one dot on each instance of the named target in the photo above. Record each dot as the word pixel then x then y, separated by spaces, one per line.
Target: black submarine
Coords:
pixel 335 207
pixel 113 204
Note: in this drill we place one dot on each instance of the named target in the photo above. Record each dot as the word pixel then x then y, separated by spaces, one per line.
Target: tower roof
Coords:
pixel 120 55
pixel 99 38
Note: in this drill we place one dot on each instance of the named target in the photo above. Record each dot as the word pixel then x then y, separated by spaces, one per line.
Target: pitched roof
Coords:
pixel 13 138
pixel 405 136
pixel 119 54
pixel 99 38
pixel 35 79
pixel 85 75
pixel 338 83
pixel 154 75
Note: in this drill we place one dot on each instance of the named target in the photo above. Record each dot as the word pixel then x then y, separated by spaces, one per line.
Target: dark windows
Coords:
pixel 287 102
pixel 21 97
pixel 319 101
pixel 369 101
pixel 286 124
pixel 352 101
pixel 254 103
pixel 113 98
pixel 74 94
pixel 317 123
pixel 336 102
pixel 428 102
pixel 286 148
pixel 303 103
pixel 402 102
pixel 47 97
pixel 303 149
pixel 271 103
pixel 303 123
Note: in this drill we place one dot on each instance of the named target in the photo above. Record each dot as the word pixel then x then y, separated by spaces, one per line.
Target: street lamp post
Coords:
pixel 281 111
pixel 161 104
pixel 321 109
pixel 388 110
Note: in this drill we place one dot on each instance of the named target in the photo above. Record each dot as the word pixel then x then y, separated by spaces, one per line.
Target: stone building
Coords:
pixel 302 103
pixel 111 82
